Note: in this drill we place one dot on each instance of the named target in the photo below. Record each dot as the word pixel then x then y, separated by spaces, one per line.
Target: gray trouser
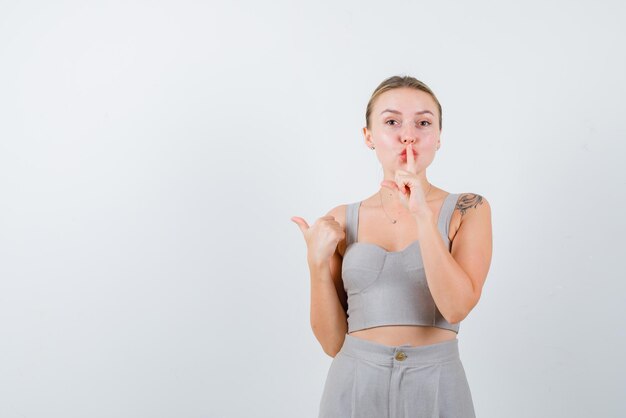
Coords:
pixel 372 380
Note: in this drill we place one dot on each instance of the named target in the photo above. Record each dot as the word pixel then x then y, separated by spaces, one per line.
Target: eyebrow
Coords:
pixel 399 113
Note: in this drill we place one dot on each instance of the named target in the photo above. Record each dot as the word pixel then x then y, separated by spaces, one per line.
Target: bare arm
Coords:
pixel 328 298
pixel 328 304
pixel 328 317
pixel 456 278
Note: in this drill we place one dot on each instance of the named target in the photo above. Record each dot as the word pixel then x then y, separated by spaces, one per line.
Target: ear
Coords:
pixel 368 137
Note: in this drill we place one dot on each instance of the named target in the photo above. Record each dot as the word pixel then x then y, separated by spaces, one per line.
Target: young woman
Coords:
pixel 393 275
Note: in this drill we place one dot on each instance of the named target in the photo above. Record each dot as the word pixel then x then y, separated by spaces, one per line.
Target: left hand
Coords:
pixel 408 187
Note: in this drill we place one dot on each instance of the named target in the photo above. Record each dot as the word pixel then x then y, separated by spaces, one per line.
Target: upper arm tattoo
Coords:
pixel 468 200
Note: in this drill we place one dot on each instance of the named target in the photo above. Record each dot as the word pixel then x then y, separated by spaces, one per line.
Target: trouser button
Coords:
pixel 400 356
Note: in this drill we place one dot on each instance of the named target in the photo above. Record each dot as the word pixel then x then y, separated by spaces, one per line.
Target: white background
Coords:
pixel 153 153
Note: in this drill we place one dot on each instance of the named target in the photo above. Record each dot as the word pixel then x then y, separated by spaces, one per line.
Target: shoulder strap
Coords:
pixel 352 215
pixel 446 214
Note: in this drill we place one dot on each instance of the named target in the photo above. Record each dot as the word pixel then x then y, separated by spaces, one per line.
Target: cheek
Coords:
pixel 430 142
pixel 426 148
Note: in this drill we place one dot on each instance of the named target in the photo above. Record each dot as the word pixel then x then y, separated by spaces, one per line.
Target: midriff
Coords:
pixel 415 335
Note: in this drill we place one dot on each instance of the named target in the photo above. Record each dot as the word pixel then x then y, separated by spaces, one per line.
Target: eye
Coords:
pixel 425 122
pixel 390 120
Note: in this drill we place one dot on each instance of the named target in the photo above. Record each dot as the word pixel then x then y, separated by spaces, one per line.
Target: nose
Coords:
pixel 409 134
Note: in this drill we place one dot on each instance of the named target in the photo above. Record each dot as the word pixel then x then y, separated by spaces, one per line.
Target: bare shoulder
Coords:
pixel 339 213
pixel 468 201
pixel 469 206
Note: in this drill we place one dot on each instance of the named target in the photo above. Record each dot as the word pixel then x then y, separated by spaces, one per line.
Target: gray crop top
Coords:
pixel 389 287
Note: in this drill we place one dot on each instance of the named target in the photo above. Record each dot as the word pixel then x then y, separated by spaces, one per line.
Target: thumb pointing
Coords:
pixel 301 223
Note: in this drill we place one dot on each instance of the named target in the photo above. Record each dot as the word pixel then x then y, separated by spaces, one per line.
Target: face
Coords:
pixel 400 116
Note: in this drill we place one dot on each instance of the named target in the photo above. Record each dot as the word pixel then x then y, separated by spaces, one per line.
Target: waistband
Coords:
pixel 440 352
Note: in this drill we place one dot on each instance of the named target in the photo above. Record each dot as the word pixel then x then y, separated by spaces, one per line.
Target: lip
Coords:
pixel 403 153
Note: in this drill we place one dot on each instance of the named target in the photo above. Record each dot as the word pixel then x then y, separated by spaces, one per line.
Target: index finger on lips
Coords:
pixel 410 158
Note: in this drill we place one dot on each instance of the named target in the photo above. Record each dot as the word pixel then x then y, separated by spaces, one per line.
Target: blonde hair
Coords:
pixel 394 83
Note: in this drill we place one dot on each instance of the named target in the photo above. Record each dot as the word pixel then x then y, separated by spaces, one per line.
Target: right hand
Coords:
pixel 321 238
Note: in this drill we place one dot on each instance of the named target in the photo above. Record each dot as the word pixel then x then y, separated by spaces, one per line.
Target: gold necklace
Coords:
pixel 393 221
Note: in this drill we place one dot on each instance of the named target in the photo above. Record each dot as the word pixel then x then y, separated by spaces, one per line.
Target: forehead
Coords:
pixel 405 100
